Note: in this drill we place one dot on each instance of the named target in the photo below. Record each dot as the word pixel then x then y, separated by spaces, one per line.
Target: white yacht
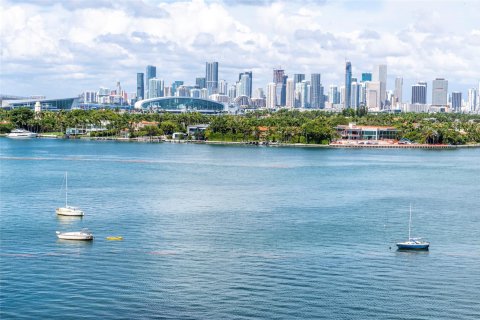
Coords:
pixel 21 134
pixel 412 243
pixel 68 210
pixel 85 234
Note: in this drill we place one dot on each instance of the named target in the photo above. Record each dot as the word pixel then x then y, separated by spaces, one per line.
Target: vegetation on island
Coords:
pixel 285 126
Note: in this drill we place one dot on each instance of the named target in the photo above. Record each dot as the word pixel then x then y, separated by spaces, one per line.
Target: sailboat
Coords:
pixel 412 243
pixel 68 210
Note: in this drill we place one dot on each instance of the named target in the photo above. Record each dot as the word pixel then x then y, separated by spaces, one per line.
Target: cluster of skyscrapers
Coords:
pixel 299 91
pixel 371 92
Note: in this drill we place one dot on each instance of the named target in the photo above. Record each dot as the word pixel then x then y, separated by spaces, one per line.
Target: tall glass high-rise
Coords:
pixel 348 84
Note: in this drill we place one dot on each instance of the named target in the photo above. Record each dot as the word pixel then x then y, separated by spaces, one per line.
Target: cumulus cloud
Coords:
pixel 68 46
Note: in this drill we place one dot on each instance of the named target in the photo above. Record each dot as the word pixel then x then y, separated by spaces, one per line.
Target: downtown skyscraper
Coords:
pixel 398 89
pixel 211 76
pixel 246 82
pixel 150 74
pixel 439 92
pixel 348 84
pixel 271 95
pixel 280 80
pixel 380 76
pixel 290 94
pixel 456 101
pixel 419 93
pixel 316 99
pixel 140 86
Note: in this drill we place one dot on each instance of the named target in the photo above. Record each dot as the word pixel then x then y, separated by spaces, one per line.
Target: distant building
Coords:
pixel 204 93
pixel 245 85
pixel 317 91
pixel 380 75
pixel 259 102
pixel 43 104
pixel 232 92
pixel 355 95
pixel 363 93
pixel 419 93
pixel 366 76
pixel 348 85
pixel 298 94
pixel 280 81
pixel 247 79
pixel 333 95
pixel 290 94
pixel 151 73
pixel 298 77
pixel 223 87
pixel 305 94
pixel 201 82
pixel 439 92
pixel 211 76
pixel 271 95
pixel 181 105
pixel 156 87
pixel 220 98
pixel 140 86
pixel 182 91
pixel 354 132
pixel 195 93
pixel 373 95
pixel 259 93
pixel 398 89
pixel 456 101
pixel 90 97
pixel 175 85
pixel 472 99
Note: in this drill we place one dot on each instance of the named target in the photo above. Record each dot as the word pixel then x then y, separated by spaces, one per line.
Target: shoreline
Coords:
pixel 271 144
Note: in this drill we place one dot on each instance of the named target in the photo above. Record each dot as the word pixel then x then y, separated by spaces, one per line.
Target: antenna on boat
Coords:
pixel 410 221
pixel 66 189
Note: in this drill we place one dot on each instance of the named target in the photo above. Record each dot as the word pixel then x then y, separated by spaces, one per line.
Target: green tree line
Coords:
pixel 286 126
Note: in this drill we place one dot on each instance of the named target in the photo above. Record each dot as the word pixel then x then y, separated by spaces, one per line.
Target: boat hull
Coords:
pixel 75 236
pixel 69 212
pixel 29 136
pixel 417 246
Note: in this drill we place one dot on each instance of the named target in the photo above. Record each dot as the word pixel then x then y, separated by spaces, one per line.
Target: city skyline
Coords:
pixel 245 36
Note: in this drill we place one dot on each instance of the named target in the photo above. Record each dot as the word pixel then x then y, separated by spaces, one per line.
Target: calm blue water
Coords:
pixel 222 232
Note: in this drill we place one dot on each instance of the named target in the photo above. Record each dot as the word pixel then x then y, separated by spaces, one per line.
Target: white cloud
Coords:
pixel 62 48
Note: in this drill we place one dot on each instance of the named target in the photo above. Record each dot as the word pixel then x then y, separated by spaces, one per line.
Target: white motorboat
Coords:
pixel 68 210
pixel 412 243
pixel 85 234
pixel 21 134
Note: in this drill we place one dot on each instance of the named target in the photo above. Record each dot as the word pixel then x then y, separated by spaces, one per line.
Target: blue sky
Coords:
pixel 60 48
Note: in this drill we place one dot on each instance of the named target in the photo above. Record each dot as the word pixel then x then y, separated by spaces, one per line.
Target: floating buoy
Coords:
pixel 115 238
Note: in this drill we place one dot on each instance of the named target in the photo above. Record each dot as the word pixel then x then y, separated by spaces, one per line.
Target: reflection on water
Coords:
pixel 413 252
pixel 68 220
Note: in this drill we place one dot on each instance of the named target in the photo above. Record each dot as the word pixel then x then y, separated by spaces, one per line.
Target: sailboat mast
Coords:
pixel 66 189
pixel 410 222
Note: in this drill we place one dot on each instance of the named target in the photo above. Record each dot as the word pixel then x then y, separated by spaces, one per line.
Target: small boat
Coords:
pixel 412 243
pixel 21 134
pixel 85 234
pixel 68 210
pixel 115 238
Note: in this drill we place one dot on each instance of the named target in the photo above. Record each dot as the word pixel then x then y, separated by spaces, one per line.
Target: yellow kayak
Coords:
pixel 114 238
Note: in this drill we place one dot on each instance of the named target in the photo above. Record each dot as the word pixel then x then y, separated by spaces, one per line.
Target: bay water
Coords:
pixel 237 232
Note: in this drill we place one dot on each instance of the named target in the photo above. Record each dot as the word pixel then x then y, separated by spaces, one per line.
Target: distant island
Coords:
pixel 283 127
